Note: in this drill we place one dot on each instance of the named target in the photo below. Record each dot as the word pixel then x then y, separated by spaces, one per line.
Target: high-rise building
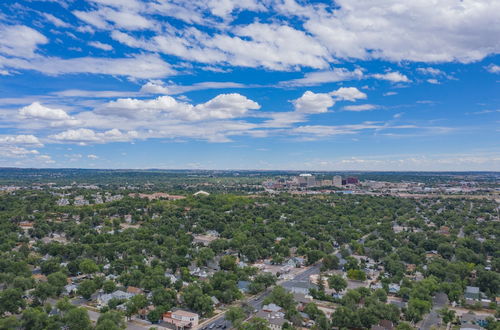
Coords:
pixel 352 180
pixel 337 181
pixel 306 180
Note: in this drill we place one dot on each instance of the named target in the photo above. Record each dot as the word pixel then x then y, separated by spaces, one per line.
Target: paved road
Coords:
pixel 439 301
pixel 256 302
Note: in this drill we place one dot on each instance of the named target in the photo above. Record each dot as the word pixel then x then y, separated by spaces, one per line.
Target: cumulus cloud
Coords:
pixel 393 76
pixel 311 103
pixel 397 31
pixel 27 140
pixel 493 68
pixel 348 94
pixel 223 106
pixel 55 117
pixel 20 40
pixel 85 135
pixel 38 111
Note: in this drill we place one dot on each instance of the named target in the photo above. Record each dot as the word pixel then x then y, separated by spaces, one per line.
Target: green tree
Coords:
pixel 87 288
pixel 228 263
pixel 11 301
pixel 88 266
pixel 337 282
pixel 34 319
pixel 447 315
pixel 111 320
pixel 43 291
pixel 417 308
pixel 330 262
pixel 57 280
pixel 235 315
pixel 109 286
pixel 77 319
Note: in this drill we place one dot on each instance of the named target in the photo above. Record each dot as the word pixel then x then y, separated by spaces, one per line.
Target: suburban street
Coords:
pixel 256 301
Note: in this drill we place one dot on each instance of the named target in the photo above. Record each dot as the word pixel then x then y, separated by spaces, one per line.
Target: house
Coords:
pixel 243 286
pixel 470 318
pixel 299 287
pixel 70 289
pixel 394 288
pixel 473 295
pixel 276 319
pixel 181 319
pixel 272 308
pixel 103 299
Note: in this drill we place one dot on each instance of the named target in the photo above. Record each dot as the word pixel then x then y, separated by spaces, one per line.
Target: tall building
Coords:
pixel 352 180
pixel 306 180
pixel 337 181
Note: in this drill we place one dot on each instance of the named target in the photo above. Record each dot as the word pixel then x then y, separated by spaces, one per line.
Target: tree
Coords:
pixel 109 286
pixel 356 274
pixel 155 315
pixel 57 280
pixel 77 319
pixel 404 326
pixel 255 323
pixel 111 320
pixel 9 323
pixel 447 315
pixel 337 282
pixel 87 288
pixel 164 297
pixel 228 263
pixel 330 262
pixel 43 291
pixel 235 315
pixel 11 300
pixel 416 309
pixel 313 256
pixel 344 317
pixel 34 319
pixel 88 266
pixel 195 299
pixel 281 297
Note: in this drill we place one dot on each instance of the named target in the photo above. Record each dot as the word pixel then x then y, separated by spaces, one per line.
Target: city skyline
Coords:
pixel 246 85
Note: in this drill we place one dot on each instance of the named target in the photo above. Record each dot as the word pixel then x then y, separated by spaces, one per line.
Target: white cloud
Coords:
pixel 100 45
pixel 93 157
pixel 158 87
pixel 20 40
pixel 431 71
pixel 390 93
pixel 321 77
pixel 56 21
pixel 361 107
pixel 311 103
pixel 146 66
pixel 85 135
pixel 28 140
pixel 348 94
pixel 223 106
pixel 422 31
pixel 433 81
pixel 391 76
pixel 493 68
pixel 38 111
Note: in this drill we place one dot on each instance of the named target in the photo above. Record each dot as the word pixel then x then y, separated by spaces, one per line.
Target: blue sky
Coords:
pixel 250 84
